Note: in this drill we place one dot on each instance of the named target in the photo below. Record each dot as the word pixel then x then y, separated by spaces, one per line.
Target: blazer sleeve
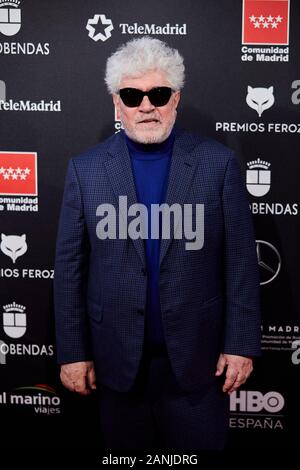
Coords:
pixel 70 275
pixel 242 329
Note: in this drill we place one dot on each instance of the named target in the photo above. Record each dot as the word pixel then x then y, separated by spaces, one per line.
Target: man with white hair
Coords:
pixel 164 329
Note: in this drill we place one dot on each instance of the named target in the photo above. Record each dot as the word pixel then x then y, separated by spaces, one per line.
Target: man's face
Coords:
pixel 146 123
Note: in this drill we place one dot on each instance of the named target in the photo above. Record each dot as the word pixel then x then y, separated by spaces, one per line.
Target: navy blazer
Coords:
pixel 209 297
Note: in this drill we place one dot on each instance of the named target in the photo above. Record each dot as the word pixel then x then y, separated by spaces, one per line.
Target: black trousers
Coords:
pixel 156 414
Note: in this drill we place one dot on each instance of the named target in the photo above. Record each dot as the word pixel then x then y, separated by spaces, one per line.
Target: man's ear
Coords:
pixel 116 101
pixel 177 96
pixel 115 98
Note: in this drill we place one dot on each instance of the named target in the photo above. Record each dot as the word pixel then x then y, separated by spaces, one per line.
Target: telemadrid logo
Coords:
pixel 99 21
pixel 96 21
pixel 10 17
pixel 26 105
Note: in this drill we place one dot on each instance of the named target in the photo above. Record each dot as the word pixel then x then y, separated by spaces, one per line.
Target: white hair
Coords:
pixel 142 55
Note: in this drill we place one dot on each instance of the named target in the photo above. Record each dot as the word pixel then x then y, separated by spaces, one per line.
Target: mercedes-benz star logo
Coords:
pixel 269 261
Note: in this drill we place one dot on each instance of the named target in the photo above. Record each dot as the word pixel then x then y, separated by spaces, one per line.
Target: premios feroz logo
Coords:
pixel 265 26
pixel 261 99
pixel 13 247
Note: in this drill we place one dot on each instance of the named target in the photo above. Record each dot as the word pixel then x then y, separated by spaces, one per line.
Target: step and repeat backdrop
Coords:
pixel 242 88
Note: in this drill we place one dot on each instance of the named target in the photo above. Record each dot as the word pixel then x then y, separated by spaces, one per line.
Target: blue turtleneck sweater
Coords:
pixel 150 165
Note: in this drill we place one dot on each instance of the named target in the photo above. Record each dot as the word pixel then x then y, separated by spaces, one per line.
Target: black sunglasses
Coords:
pixel 158 96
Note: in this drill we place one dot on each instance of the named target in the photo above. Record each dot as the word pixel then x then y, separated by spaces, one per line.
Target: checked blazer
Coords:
pixel 209 297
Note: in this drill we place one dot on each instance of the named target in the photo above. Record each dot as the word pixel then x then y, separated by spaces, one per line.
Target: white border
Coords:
pixel 268 43
pixel 36 176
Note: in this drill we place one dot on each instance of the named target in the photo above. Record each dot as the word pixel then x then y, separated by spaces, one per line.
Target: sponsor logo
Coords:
pixel 254 127
pixel 27 105
pixel 40 398
pixel 258 183
pixel 255 410
pixel 24 350
pixel 18 177
pixel 10 25
pixel 279 337
pixel 15 326
pixel 100 28
pixel 26 273
pixel 153 29
pixel 269 261
pixel 274 208
pixel 260 99
pixel 18 173
pixel 14 320
pixel 10 17
pixel 95 22
pixel 265 22
pixel 258 177
pixel 255 401
pixel 24 48
pixel 13 246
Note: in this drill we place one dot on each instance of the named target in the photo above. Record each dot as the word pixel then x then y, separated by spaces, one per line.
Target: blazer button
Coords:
pixel 140 311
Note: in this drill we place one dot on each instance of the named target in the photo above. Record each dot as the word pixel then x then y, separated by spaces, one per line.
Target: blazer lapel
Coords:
pixel 120 174
pixel 183 165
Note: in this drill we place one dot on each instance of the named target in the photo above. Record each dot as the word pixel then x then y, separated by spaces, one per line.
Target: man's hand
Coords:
pixel 79 377
pixel 238 370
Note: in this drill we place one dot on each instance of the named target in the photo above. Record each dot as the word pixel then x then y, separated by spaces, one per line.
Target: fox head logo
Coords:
pixel 13 245
pixel 260 99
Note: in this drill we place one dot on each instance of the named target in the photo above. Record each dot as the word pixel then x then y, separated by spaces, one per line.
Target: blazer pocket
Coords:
pixel 95 311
